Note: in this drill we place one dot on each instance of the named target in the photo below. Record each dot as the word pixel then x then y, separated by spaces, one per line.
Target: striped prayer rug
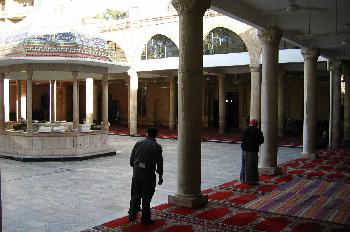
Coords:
pixel 312 199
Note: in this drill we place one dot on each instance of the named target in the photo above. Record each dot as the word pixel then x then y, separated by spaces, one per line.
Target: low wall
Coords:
pixel 54 145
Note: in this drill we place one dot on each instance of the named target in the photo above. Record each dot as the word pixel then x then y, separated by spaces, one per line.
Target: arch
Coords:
pixel 158 47
pixel 116 52
pixel 221 40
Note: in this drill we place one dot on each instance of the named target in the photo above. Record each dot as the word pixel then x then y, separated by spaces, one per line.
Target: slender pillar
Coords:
pixel 53 100
pixel 204 103
pixel 222 104
pixel 255 92
pixel 335 109
pixel 133 87
pixel 19 100
pixel 24 99
pixel 75 103
pixel 310 84
pixel 172 99
pixel 190 76
pixel 7 99
pixel 29 102
pixel 89 103
pixel 281 90
pixel 269 93
pixel 347 103
pixel 95 107
pixel 2 105
pixel 105 122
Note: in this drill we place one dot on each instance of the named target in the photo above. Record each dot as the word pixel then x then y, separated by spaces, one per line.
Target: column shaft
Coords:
pixel 89 100
pixel 172 103
pixel 335 131
pixel 255 92
pixel 2 105
pixel 75 103
pixel 310 82
pixel 222 104
pixel 29 102
pixel 52 100
pixel 281 90
pixel 19 99
pixel 105 122
pixel 133 87
pixel 190 76
pixel 269 104
pixel 7 99
pixel 347 102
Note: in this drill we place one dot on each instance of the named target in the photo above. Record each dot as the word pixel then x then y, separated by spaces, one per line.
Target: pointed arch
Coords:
pixel 158 47
pixel 116 52
pixel 221 40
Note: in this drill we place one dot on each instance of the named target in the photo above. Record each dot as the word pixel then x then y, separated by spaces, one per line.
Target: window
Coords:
pixel 222 41
pixel 158 47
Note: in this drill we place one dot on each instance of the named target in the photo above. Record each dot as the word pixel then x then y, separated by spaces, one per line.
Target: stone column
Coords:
pixel 268 153
pixel 204 103
pixel 7 99
pixel 222 104
pixel 281 90
pixel 95 107
pixel 105 122
pixel 19 99
pixel 29 102
pixel 255 92
pixel 335 103
pixel 24 99
pixel 75 103
pixel 310 85
pixel 2 105
pixel 133 87
pixel 190 76
pixel 52 100
pixel 89 102
pixel 172 103
pixel 347 102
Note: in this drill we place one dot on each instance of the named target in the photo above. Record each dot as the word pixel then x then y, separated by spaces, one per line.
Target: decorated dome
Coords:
pixel 70 44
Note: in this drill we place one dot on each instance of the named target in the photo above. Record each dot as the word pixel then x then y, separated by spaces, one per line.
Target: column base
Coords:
pixel 189 202
pixel 271 171
pixel 309 155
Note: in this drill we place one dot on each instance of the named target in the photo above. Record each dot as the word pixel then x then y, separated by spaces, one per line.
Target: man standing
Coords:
pixel 146 159
pixel 251 140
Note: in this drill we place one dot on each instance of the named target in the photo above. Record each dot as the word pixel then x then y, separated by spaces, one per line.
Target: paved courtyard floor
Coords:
pixel 73 196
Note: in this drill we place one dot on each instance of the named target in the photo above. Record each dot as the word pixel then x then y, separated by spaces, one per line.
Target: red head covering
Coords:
pixel 253 122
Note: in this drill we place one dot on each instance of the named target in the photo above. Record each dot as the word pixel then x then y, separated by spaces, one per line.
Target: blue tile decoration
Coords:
pixel 70 44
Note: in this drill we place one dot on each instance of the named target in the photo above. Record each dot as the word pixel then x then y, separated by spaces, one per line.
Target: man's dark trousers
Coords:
pixel 142 187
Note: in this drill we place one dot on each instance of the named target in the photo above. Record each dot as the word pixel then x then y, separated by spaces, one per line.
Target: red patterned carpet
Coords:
pixel 208 135
pixel 322 183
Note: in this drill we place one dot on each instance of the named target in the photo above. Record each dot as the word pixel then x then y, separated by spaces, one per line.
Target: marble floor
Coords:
pixel 77 195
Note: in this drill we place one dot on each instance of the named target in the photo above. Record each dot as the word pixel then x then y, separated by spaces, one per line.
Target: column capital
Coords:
pixel 29 74
pixel 191 6
pixel 255 68
pixel 310 53
pixel 221 76
pixel 270 36
pixel 75 74
pixel 334 64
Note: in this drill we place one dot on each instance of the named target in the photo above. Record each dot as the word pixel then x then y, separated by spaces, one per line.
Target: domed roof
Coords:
pixel 71 44
pixel 53 30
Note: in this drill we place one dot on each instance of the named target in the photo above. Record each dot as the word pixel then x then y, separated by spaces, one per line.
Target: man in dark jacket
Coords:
pixel 146 159
pixel 251 140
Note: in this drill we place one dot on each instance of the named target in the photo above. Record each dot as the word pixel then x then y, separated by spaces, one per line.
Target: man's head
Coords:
pixel 152 132
pixel 253 122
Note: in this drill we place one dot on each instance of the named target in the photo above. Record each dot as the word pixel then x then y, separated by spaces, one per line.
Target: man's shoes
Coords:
pixel 148 222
